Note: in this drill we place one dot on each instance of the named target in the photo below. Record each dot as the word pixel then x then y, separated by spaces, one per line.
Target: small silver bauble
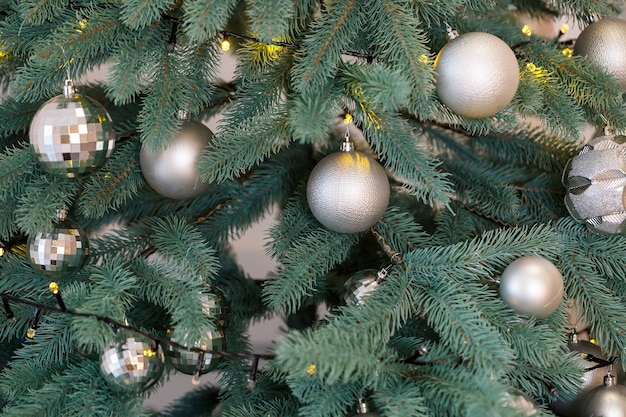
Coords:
pixel 130 363
pixel 514 399
pixel 532 285
pixel 360 285
pixel 348 191
pixel 186 361
pixel 477 74
pixel 215 305
pixel 604 43
pixel 60 251
pixel 72 134
pixel 608 400
pixel 591 379
pixel 596 185
pixel 173 172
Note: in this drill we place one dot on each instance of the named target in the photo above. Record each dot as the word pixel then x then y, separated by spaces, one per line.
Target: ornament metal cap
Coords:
pixel 183 115
pixel 61 215
pixel 610 380
pixel 68 88
pixel 362 407
pixel 574 337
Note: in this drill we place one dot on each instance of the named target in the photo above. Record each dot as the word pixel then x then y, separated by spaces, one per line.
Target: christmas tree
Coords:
pixel 436 195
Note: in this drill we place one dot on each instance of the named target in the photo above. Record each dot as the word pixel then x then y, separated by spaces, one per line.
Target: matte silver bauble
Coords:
pixel 477 74
pixel 348 192
pixel 72 134
pixel 532 285
pixel 591 379
pixel 173 172
pixel 185 361
pixel 596 185
pixel 130 363
pixel 606 401
pixel 604 43
pixel 60 251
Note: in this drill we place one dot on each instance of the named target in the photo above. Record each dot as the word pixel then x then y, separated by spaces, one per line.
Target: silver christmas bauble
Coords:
pixel 532 285
pixel 604 43
pixel 606 401
pixel 348 191
pixel 60 251
pixel 173 172
pixel 72 134
pixel 514 399
pixel 359 286
pixel 215 305
pixel 596 185
pixel 591 379
pixel 477 74
pixel 185 361
pixel 130 363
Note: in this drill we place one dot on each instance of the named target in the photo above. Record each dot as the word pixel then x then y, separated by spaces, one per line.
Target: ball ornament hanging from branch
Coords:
pixel 603 42
pixel 608 400
pixel 532 285
pixel 348 191
pixel 173 171
pixel 477 74
pixel 360 285
pixel 186 361
pixel 132 362
pixel 595 180
pixel 60 251
pixel 71 134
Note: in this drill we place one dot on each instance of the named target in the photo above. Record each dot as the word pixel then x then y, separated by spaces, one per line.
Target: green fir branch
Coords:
pixel 202 21
pixel 270 19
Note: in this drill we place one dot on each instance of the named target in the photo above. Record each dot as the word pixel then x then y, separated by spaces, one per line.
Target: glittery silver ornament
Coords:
pixel 361 284
pixel 72 134
pixel 604 43
pixel 130 363
pixel 186 361
pixel 173 172
pixel 591 379
pixel 514 399
pixel 477 74
pixel 348 191
pixel 608 400
pixel 532 285
pixel 60 251
pixel 596 185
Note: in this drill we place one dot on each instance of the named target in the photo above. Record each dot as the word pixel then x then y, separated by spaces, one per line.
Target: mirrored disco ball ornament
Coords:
pixel 72 134
pixel 348 191
pixel 604 43
pixel 477 74
pixel 361 284
pixel 186 361
pixel 130 363
pixel 595 180
pixel 532 285
pixel 60 251
pixel 608 400
pixel 215 304
pixel 173 171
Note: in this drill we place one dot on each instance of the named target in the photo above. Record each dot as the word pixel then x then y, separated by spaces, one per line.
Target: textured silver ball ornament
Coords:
pixel 595 180
pixel 532 285
pixel 173 172
pixel 604 43
pixel 60 251
pixel 186 361
pixel 71 134
pixel 348 191
pixel 130 363
pixel 608 400
pixel 477 74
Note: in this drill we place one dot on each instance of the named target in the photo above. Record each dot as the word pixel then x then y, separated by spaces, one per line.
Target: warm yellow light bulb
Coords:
pixel 54 287
pixel 347 119
pixel 564 28
pixel 1 251
pixel 526 30
pixel 423 58
pixel 531 67
pixel 31 332
pixel 225 45
pixel 311 369
pixel 148 352
pixel 568 52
